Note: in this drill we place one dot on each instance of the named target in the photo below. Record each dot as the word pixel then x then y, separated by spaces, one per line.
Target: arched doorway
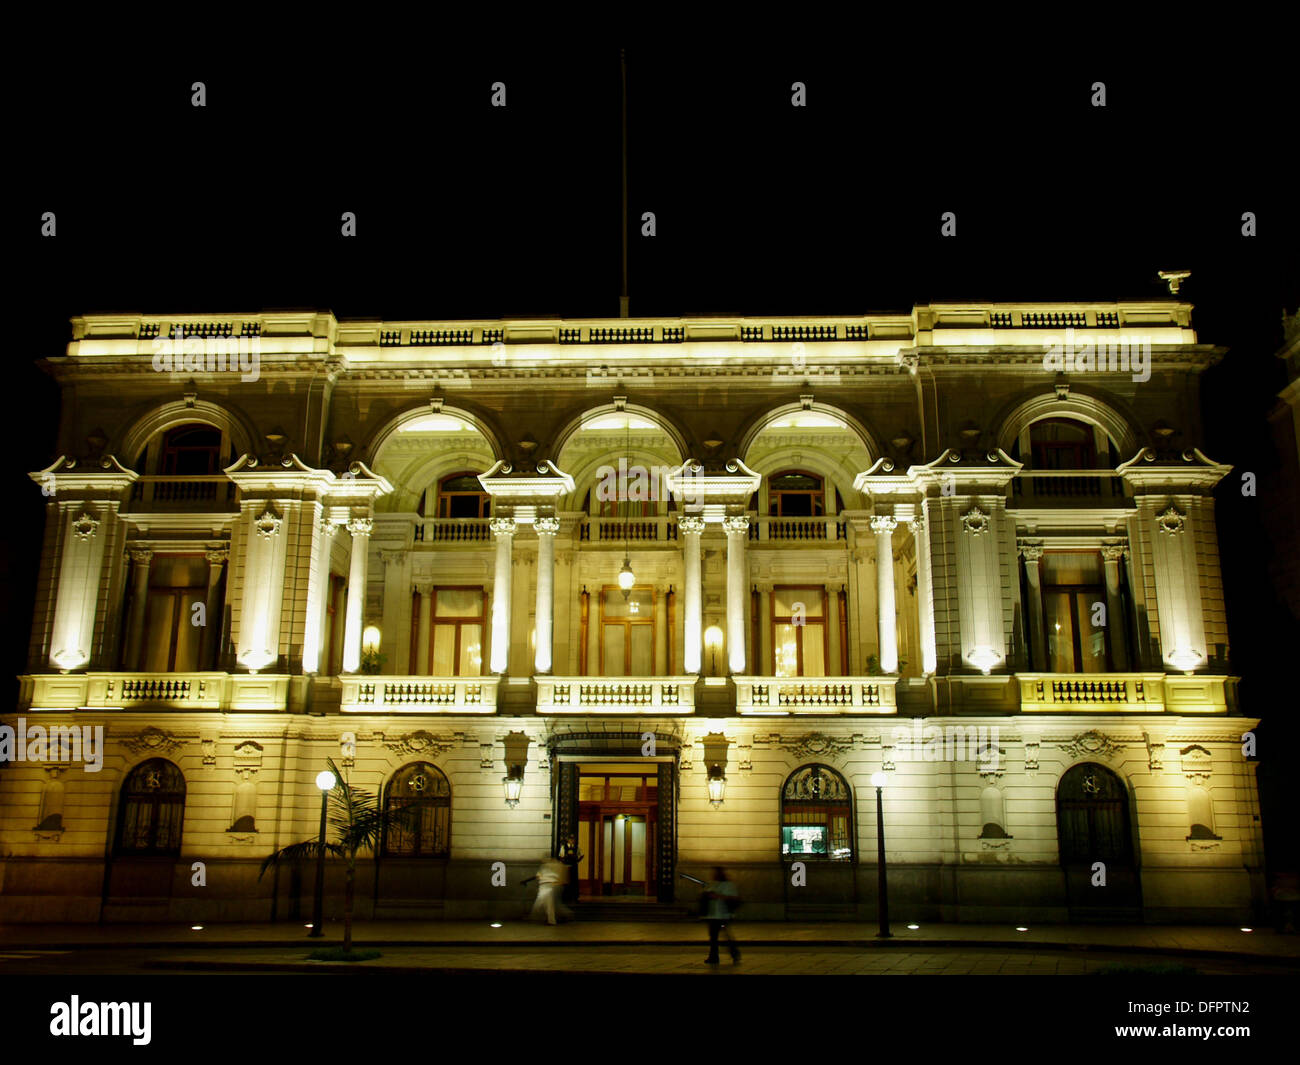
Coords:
pixel 1093 826
pixel 818 832
pixel 411 874
pixel 147 842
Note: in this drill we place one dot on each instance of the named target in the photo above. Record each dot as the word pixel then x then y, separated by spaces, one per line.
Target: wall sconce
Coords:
pixel 713 644
pixel 514 785
pixel 717 785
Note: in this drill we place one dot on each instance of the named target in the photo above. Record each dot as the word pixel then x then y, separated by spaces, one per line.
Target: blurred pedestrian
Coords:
pixel 550 877
pixel 721 900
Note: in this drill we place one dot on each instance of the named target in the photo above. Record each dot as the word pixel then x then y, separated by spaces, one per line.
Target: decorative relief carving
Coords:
pixel 976 520
pixel 268 523
pixel 1171 520
pixel 815 745
pixel 153 740
pixel 1197 763
pixel 209 751
pixel 1091 744
pixel 248 758
pixel 85 526
pixel 420 742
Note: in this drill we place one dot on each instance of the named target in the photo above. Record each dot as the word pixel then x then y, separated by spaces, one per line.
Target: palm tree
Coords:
pixel 360 822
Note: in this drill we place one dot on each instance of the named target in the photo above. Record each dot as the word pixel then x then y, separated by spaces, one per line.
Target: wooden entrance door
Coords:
pixel 1092 824
pixel 617 836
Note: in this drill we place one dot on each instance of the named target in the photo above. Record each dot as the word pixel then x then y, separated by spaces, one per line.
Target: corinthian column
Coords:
pixel 211 636
pixel 140 559
pixel 546 530
pixel 689 528
pixel 737 530
pixel 421 666
pixel 883 526
pixel 925 595
pixel 1032 553
pixel 503 530
pixel 360 529
pixel 1112 554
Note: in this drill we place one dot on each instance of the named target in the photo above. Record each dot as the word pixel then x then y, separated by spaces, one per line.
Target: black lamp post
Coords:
pixel 325 780
pixel 882 888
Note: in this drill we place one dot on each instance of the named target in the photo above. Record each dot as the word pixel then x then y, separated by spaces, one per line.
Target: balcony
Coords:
pixel 442 531
pixel 615 695
pixel 215 492
pixel 154 691
pixel 1149 693
pixel 797 530
pixel 816 695
pixel 660 529
pixel 1055 488
pixel 423 695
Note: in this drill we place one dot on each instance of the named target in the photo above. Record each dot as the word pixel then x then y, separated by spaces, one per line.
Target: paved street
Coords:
pixel 645 958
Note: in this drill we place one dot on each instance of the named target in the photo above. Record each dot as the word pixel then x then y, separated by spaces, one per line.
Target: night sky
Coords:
pixel 465 211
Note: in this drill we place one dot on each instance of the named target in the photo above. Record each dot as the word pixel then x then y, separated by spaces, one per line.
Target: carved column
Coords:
pixel 887 612
pixel 925 595
pixel 1112 555
pixel 313 644
pixel 424 629
pixel 140 559
pixel 1032 552
pixel 831 628
pixel 763 667
pixel 736 527
pixel 210 640
pixel 690 529
pixel 545 620
pixel 503 531
pixel 360 529
pixel 593 632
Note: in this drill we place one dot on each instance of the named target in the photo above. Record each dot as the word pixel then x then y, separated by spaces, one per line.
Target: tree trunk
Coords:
pixel 347 908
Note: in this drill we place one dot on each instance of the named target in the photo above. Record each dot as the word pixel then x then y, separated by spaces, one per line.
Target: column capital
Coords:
pixel 360 526
pixel 690 524
pixel 140 555
pixel 1030 550
pixel 218 557
pixel 1114 552
pixel 549 526
pixel 502 526
pixel 883 523
pixel 391 558
pixel 736 524
pixel 425 588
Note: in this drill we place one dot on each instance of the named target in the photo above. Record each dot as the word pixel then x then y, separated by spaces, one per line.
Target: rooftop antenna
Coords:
pixel 622 67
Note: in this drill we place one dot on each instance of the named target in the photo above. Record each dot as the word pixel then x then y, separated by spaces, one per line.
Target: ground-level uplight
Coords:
pixel 196 928
pixel 913 927
pixel 496 924
pixel 1021 928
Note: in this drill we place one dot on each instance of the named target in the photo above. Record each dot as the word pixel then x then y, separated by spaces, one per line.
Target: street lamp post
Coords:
pixel 882 889
pixel 325 780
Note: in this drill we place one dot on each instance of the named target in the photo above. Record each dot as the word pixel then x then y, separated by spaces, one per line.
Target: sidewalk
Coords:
pixel 1146 939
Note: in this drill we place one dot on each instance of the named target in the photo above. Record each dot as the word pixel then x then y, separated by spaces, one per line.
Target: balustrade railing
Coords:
pixel 443 695
pixel 177 493
pixel 1067 484
pixel 453 531
pixel 816 695
pixel 659 529
pixel 797 530
pixel 614 695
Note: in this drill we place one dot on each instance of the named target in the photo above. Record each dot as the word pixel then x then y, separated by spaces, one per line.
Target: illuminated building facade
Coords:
pixel 674 587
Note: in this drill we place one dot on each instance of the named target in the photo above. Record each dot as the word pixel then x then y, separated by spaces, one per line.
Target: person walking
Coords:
pixel 550 878
pixel 722 899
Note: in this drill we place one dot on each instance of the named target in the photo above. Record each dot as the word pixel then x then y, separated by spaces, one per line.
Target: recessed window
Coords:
pixel 1075 613
pixel 816 816
pixel 799 631
pixel 153 810
pixel 426 834
pixel 627 632
pixel 462 496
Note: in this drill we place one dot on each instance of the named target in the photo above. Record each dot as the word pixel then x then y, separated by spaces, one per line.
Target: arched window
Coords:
pixel 796 494
pixel 816 815
pixel 190 451
pixel 1060 444
pixel 460 495
pixel 428 833
pixel 152 810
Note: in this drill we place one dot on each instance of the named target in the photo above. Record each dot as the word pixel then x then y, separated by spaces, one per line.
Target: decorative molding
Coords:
pixel 815 745
pixel 85 526
pixel 209 751
pixel 1197 763
pixel 975 521
pixel 154 741
pixel 268 522
pixel 419 742
pixel 1171 520
pixel 1091 744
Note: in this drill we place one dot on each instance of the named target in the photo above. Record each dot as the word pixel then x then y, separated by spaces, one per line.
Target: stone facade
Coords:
pixel 853 543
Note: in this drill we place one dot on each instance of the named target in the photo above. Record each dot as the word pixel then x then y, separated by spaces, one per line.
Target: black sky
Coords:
pixel 465 211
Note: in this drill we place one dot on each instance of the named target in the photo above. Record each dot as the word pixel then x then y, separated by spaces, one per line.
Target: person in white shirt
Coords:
pixel 723 899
